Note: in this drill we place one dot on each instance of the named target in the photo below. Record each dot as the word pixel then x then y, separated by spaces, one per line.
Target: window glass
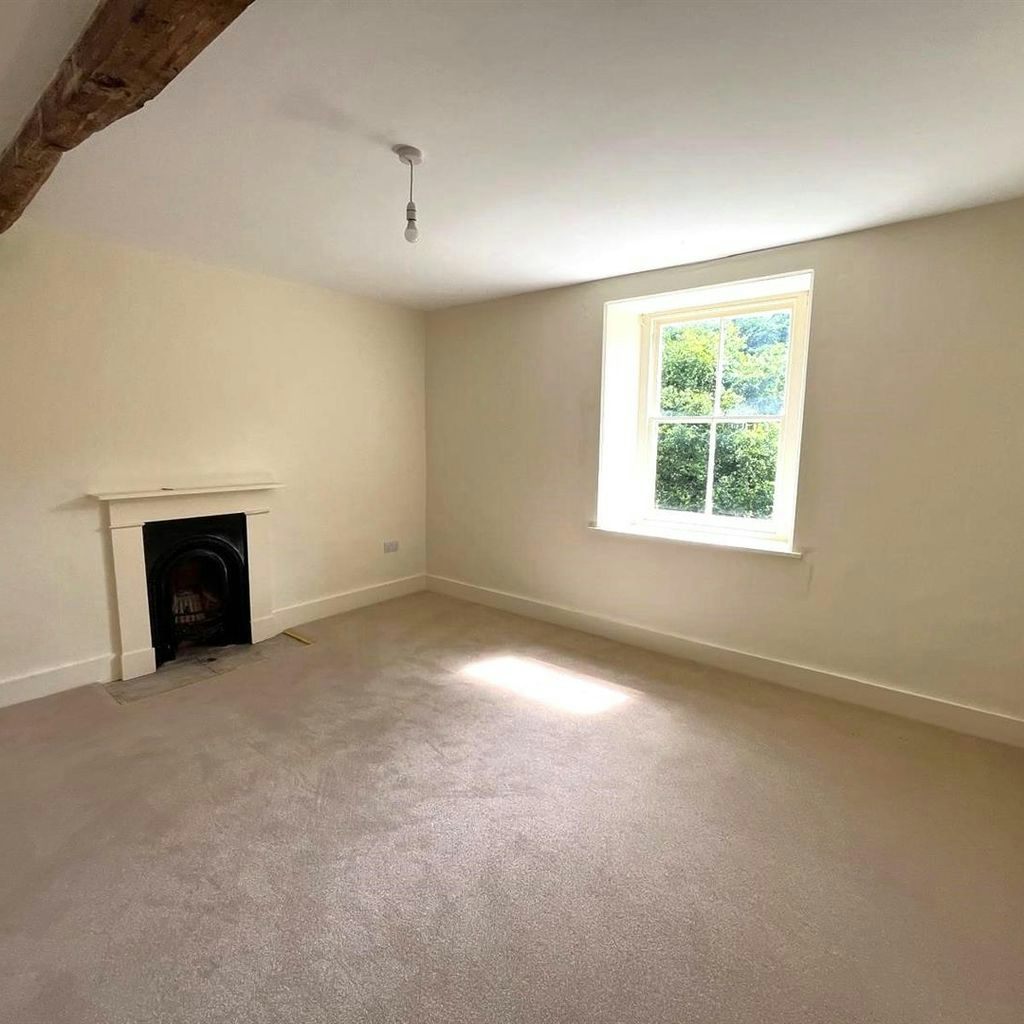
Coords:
pixel 681 474
pixel 755 354
pixel 689 356
pixel 745 461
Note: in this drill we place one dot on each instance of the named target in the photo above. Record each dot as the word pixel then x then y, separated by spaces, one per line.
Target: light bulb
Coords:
pixel 411 231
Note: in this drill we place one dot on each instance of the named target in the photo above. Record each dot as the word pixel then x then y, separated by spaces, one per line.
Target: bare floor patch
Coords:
pixel 199 663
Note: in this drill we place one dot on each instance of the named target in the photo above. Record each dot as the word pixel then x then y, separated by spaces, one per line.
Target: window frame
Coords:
pixel 706 525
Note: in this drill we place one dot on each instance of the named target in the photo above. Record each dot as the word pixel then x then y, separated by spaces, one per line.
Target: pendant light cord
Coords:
pixel 411 165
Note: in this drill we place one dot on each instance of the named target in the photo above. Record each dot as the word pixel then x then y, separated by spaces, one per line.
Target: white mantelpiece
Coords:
pixel 130 510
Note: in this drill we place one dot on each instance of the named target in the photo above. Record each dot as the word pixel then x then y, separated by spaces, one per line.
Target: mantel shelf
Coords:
pixel 170 492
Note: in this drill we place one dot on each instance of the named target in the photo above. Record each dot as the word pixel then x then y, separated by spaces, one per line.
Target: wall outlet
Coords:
pixel 390 546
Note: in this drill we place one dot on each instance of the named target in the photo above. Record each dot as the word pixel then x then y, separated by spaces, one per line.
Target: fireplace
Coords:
pixel 198 582
pixel 226 527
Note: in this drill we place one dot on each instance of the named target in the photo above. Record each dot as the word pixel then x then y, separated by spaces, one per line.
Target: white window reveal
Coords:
pixel 702 405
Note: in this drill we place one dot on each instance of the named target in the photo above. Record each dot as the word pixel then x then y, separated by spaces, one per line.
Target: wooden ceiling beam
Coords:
pixel 126 54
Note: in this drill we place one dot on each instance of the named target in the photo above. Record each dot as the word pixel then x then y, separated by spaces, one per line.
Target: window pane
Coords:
pixel 682 469
pixel 745 459
pixel 756 351
pixel 689 352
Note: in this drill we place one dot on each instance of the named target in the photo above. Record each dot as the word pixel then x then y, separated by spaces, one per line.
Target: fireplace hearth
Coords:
pixel 198 582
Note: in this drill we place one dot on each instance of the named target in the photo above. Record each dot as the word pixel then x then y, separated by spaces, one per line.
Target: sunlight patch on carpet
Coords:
pixel 546 683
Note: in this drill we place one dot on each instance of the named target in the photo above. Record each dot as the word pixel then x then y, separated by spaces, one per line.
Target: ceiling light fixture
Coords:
pixel 412 156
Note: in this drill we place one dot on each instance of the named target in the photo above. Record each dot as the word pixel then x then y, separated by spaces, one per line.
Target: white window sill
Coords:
pixel 703 538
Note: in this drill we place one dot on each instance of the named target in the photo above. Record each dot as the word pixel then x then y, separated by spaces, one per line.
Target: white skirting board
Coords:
pixel 102 669
pixel 105 667
pixel 960 717
pixel 335 604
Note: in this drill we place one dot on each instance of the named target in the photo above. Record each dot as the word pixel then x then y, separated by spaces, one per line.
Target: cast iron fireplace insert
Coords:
pixel 197 574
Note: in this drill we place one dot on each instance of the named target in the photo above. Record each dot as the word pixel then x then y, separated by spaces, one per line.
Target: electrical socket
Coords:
pixel 390 546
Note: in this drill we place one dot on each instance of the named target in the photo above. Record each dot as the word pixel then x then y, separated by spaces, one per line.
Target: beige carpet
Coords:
pixel 443 813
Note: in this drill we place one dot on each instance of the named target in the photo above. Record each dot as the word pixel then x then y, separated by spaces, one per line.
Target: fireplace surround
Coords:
pixel 210 545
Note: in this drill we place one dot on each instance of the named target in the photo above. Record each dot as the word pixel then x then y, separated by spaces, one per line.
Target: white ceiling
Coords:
pixel 564 140
pixel 34 36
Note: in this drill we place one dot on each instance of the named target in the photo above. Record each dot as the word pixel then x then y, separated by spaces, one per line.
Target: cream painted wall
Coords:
pixel 911 497
pixel 121 368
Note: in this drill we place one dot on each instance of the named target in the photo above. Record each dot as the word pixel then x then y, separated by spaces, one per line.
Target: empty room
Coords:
pixel 508 512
